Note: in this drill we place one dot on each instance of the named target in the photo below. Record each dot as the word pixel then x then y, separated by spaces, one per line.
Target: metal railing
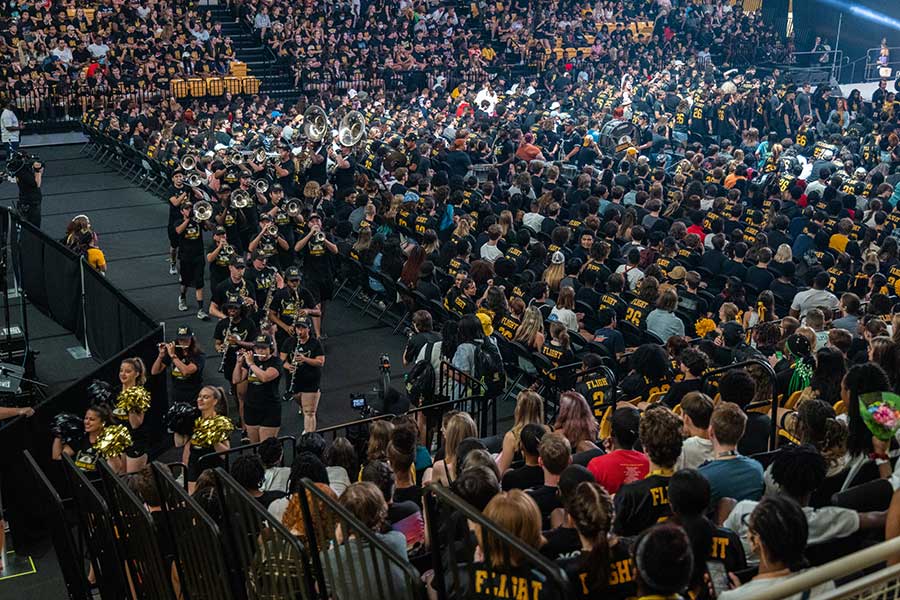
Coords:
pixel 137 538
pixel 39 109
pixel 456 572
pixel 873 66
pixel 877 585
pixel 95 524
pixel 67 549
pixel 356 563
pixel 269 559
pixel 199 545
pixel 210 461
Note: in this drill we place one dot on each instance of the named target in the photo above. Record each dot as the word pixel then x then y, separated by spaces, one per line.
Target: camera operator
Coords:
pixel 28 178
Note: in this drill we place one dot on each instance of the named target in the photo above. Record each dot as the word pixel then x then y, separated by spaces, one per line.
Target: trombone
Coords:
pixel 234 157
pixel 203 211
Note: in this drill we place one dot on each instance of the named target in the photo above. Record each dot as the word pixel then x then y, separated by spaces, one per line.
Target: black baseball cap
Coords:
pixel 232 301
pixel 184 332
pixel 292 273
pixel 303 322
pixel 262 341
pixel 258 255
pixel 220 231
pixel 238 262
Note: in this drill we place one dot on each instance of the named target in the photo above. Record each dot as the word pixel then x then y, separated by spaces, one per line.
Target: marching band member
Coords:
pixel 185 363
pixel 260 368
pixel 303 357
pixel 234 333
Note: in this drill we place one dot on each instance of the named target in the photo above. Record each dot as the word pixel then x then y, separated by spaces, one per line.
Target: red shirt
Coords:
pixel 698 229
pixel 619 467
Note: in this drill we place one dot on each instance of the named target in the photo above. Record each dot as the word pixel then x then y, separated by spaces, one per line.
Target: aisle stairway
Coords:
pixel 276 81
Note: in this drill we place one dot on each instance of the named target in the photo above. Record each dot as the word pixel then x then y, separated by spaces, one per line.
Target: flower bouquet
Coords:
pixel 880 412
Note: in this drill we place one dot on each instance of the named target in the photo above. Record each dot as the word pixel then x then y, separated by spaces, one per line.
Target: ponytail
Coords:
pixel 591 509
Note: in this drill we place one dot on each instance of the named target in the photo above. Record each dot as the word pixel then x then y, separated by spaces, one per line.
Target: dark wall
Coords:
pixel 858 33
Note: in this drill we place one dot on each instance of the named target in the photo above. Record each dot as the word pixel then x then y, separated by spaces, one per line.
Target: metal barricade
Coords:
pixel 98 531
pixel 199 545
pixel 456 572
pixel 137 538
pixel 211 461
pixel 269 558
pixel 67 554
pixel 356 563
pixel 454 384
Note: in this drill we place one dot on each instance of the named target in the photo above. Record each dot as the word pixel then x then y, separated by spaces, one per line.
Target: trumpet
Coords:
pixel 292 208
pixel 227 251
pixel 203 211
pixel 272 230
pixel 262 186
pixel 240 199
pixel 189 162
pixel 234 157
pixel 319 237
pixel 194 180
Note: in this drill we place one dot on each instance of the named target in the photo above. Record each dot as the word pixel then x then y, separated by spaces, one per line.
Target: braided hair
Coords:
pixel 591 508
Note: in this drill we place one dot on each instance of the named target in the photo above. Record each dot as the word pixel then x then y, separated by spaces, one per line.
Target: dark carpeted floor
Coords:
pixel 131 224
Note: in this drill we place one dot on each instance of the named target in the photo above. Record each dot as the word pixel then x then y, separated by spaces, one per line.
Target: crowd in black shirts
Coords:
pixel 743 220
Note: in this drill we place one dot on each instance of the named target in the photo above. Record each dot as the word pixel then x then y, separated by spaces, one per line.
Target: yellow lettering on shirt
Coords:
pixel 659 496
pixel 719 547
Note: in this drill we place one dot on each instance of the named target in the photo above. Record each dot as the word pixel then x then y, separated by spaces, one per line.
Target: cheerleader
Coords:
pixel 205 432
pixel 131 405
pixel 98 439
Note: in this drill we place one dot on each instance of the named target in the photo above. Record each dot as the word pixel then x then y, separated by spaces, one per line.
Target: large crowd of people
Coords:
pixel 738 218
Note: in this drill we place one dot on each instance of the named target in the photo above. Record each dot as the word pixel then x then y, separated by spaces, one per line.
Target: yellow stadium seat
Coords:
pixel 232 84
pixel 198 87
pixel 656 397
pixel 792 401
pixel 179 88
pixel 215 86
pixel 677 409
pixel 840 408
pixel 251 85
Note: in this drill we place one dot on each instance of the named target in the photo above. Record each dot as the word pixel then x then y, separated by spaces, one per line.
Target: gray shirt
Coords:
pixel 664 324
pixel 350 570
pixel 813 298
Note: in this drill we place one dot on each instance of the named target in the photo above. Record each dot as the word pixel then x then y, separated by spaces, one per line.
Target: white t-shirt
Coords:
pixel 98 50
pixel 8 119
pixel 694 452
pixel 632 274
pixel 490 252
pixel 825 524
pixel 565 316
pixel 813 298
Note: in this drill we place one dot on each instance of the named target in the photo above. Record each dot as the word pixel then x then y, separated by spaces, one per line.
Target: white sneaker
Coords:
pixel 182 305
pixel 201 314
pixel 173 270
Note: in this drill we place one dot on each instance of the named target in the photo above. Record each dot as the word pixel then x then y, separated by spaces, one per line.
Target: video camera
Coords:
pixel 19 161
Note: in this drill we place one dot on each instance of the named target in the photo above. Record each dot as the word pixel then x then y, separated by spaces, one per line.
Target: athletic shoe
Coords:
pixel 173 270
pixel 182 305
pixel 201 314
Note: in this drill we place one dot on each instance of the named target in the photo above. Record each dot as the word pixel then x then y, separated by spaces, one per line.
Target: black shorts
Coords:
pixel 191 271
pixel 267 414
pixel 306 387
pixel 140 442
pixel 173 236
pixel 321 289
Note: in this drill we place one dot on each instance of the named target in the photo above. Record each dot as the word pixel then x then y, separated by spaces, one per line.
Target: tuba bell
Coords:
pixel 261 186
pixel 240 199
pixel 315 124
pixel 194 180
pixel 189 162
pixel 293 207
pixel 352 128
pixel 260 157
pixel 203 211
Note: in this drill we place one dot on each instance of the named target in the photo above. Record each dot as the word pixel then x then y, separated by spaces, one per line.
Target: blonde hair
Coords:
pixel 459 427
pixel 379 438
pixel 553 275
pixel 532 324
pixel 529 411
pixel 140 368
pixel 516 513
pixel 784 254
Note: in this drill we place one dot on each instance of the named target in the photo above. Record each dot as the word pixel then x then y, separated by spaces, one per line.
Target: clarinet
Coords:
pixel 289 391
pixel 226 346
pixel 264 323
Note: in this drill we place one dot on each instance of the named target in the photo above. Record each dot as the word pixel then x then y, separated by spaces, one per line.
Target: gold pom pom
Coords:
pixel 211 431
pixel 113 441
pixel 134 399
pixel 704 326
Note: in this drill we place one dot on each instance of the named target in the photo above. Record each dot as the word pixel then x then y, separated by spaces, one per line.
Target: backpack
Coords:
pixel 420 381
pixel 489 368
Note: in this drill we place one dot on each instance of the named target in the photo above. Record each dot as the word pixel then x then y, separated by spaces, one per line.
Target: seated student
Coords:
pixel 692 363
pixel 621 464
pixel 639 308
pixel 365 502
pixel 401 455
pixel 607 335
pixel 404 516
pixel 529 410
pixel 663 562
pixel 689 499
pixel 562 541
pixel 603 566
pixel 595 384
pixel 531 474
pixel 696 410
pixel 739 387
pixel 503 567
pixel 797 472
pixel 730 475
pixel 641 504
pixel 250 473
pixel 780 533
pixel 555 454
pixel 649 373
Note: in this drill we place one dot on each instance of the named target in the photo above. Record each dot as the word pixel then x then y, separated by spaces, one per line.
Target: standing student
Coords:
pixel 303 358
pixel 260 368
pixel 191 258
pixel 185 363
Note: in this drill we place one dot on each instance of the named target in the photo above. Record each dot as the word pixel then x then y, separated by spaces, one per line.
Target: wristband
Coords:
pixel 878 456
pixel 881 461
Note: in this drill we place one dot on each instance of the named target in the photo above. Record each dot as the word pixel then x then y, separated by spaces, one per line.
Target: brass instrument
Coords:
pixel 319 237
pixel 189 162
pixel 260 156
pixel 234 157
pixel 315 124
pixel 226 346
pixel 194 180
pixel 203 211
pixel 240 199
pixel 293 208
pixel 227 252
pixel 272 230
pixel 352 129
pixel 262 186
